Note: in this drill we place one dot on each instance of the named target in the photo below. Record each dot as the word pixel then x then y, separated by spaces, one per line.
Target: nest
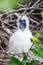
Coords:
pixel 8 24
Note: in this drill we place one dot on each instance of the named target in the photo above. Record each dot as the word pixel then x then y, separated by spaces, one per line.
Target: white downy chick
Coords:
pixel 20 40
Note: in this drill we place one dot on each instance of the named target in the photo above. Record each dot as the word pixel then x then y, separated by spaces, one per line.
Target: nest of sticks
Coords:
pixel 8 24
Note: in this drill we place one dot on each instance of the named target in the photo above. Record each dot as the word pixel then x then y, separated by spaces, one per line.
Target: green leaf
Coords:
pixel 37 53
pixel 37 35
pixel 41 63
pixel 41 41
pixel 15 61
pixel 39 48
pixel 32 62
pixel 35 40
pixel 24 56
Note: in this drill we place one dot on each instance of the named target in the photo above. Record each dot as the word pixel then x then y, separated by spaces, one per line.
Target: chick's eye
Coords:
pixel 24 20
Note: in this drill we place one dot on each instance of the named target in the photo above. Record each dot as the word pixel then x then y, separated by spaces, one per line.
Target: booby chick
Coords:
pixel 20 40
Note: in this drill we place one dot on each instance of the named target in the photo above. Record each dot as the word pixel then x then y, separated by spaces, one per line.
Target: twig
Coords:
pixel 5 29
pixel 2 60
pixel 22 9
pixel 34 6
pixel 34 21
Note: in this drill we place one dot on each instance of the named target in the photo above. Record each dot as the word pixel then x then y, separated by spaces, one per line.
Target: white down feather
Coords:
pixel 20 40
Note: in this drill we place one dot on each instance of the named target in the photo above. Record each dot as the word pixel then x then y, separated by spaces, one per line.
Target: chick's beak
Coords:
pixel 22 25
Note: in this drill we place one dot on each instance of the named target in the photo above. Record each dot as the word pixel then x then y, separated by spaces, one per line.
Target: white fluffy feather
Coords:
pixel 20 40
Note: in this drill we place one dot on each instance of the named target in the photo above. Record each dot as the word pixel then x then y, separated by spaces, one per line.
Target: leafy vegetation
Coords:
pixel 38 51
pixel 6 5
pixel 25 61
